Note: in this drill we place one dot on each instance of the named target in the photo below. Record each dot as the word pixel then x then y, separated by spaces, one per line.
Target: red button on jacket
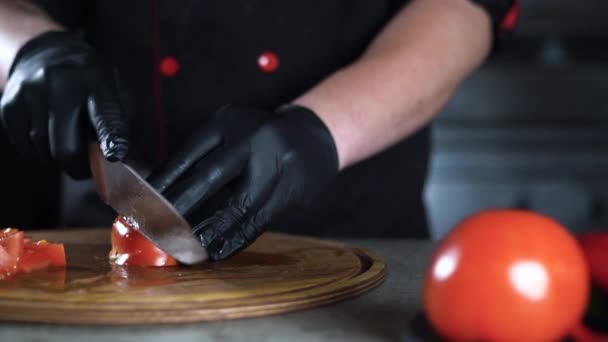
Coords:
pixel 268 61
pixel 510 20
pixel 169 66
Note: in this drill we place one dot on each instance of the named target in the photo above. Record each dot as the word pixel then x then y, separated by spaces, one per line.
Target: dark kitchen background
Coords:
pixel 530 128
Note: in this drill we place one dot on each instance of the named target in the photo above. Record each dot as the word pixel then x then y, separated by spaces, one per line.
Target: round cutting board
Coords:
pixel 279 273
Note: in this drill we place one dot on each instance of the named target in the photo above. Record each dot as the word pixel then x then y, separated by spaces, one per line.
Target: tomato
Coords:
pixel 129 247
pixel 32 260
pixel 11 247
pixel 595 246
pixel 8 264
pixel 506 275
pixel 21 254
pixel 12 241
pixel 54 252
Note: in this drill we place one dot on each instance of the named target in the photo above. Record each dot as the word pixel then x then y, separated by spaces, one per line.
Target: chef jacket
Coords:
pixel 179 61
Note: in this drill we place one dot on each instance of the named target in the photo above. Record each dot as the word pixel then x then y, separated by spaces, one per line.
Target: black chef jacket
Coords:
pixel 181 60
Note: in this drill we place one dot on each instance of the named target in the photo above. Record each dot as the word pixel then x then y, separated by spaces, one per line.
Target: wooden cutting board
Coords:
pixel 279 273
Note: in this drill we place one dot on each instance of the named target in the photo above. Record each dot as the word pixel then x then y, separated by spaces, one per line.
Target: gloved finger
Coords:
pixel 16 122
pixel 207 177
pixel 205 140
pixel 242 220
pixel 108 120
pixel 37 105
pixel 219 228
pixel 226 126
pixel 223 248
pixel 67 126
pixel 248 231
pixel 232 229
pixel 68 143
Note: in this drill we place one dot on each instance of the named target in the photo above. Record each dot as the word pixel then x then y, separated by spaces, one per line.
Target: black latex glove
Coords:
pixel 58 99
pixel 288 160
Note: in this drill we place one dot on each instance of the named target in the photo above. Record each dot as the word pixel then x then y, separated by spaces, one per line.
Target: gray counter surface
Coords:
pixel 384 314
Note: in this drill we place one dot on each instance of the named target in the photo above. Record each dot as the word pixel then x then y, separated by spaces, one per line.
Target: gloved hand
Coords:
pixel 287 160
pixel 58 99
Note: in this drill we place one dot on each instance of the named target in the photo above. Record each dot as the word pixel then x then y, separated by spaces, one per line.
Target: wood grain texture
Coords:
pixel 279 273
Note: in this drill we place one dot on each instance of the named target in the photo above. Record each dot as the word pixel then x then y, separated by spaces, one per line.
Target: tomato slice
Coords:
pixel 11 240
pixel 129 247
pixel 32 260
pixel 11 248
pixel 23 254
pixel 55 252
pixel 8 264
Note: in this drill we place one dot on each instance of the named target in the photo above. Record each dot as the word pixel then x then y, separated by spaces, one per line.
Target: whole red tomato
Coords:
pixel 129 247
pixel 506 275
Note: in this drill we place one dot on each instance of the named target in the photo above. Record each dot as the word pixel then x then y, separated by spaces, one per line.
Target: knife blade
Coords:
pixel 120 187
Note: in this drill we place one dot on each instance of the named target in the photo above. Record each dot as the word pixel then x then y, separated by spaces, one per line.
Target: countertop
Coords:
pixel 390 312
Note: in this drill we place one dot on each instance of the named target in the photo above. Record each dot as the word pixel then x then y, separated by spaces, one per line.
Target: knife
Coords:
pixel 120 187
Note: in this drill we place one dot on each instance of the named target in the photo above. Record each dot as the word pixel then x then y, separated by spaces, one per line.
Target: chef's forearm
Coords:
pixel 19 22
pixel 405 77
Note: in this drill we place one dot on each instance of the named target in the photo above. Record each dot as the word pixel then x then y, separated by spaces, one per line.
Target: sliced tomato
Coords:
pixel 55 252
pixel 8 264
pixel 129 247
pixel 23 254
pixel 11 248
pixel 11 240
pixel 32 260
